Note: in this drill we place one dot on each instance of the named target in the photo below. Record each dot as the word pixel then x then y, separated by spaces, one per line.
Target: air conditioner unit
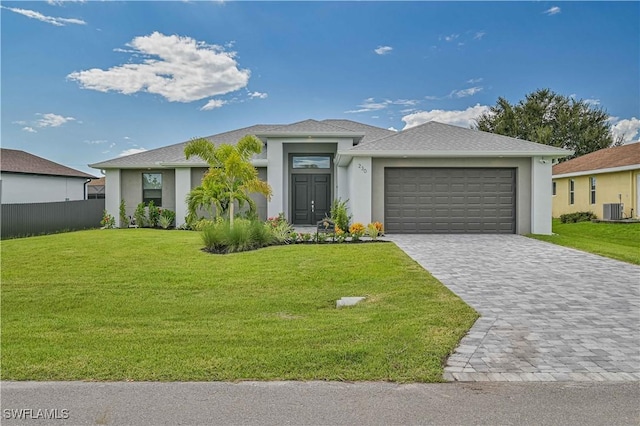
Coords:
pixel 612 211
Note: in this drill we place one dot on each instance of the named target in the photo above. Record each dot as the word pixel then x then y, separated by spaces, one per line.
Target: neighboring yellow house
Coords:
pixel 610 175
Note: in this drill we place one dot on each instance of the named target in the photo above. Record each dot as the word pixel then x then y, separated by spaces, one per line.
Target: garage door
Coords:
pixel 450 200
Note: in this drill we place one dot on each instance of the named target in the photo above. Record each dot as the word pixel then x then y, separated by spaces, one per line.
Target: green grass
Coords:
pixel 141 304
pixel 614 240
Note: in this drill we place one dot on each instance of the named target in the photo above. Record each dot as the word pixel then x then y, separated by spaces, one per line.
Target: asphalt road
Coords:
pixel 320 403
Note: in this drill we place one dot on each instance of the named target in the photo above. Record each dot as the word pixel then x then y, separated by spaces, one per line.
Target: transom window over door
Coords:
pixel 152 188
pixel 311 162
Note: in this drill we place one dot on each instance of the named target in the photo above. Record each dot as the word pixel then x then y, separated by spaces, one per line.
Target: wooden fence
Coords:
pixel 21 220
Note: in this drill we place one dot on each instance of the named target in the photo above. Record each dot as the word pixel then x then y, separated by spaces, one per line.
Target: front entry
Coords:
pixel 311 197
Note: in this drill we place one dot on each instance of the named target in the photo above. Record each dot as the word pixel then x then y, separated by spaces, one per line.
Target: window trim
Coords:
pixel 156 201
pixel 553 188
pixel 592 189
pixel 572 195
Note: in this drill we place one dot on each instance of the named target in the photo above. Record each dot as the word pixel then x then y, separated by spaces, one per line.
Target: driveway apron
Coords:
pixel 548 313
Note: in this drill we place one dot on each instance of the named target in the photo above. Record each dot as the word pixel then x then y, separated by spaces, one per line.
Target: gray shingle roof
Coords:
pixel 434 137
pixel 16 161
pixel 174 154
pixel 371 133
pixel 310 127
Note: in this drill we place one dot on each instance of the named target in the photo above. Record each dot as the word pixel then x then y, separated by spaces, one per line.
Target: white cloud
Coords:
pixel 96 142
pixel 131 151
pixel 370 104
pixel 180 69
pixel 393 129
pixel 462 118
pixel 258 95
pixel 32 14
pixel 213 104
pixel 383 50
pixel 593 102
pixel 29 129
pixel 451 37
pixel 61 2
pixel 465 92
pixel 552 10
pixel 474 80
pixel 628 129
pixel 479 35
pixel 52 120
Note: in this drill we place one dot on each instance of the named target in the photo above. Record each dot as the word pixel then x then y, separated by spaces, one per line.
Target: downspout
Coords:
pixel 86 193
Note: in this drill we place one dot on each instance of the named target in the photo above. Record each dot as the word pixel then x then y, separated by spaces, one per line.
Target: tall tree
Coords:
pixel 231 176
pixel 551 119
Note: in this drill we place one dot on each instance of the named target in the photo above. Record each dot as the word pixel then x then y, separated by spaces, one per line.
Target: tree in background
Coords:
pixel 551 119
pixel 231 176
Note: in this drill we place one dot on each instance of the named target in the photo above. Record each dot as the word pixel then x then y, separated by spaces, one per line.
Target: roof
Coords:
pixel 625 156
pixel 431 139
pixel 98 182
pixel 16 161
pixel 444 139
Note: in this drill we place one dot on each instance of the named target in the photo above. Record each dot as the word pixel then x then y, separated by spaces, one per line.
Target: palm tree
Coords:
pixel 231 176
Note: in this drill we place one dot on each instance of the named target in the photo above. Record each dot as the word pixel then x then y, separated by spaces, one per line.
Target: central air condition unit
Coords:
pixel 612 211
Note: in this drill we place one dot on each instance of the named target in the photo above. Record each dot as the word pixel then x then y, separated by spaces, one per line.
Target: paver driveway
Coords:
pixel 548 312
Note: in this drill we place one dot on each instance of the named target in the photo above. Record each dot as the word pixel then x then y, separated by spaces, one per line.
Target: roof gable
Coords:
pixel 434 137
pixel 372 133
pixel 309 127
pixel 16 161
pixel 607 158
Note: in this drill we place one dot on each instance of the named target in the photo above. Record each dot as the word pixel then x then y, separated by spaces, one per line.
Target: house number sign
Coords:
pixel 361 167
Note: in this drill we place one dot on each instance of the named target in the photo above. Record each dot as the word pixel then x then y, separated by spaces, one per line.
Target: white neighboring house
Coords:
pixel 432 178
pixel 27 178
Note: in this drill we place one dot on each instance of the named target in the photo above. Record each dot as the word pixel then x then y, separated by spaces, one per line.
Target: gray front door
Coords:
pixel 450 200
pixel 311 197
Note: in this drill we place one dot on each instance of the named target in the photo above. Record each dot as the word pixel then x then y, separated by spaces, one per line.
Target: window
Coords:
pixel 592 190
pixel 152 188
pixel 311 162
pixel 572 185
pixel 553 187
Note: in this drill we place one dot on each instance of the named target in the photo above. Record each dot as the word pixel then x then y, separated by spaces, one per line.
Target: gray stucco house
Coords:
pixel 432 178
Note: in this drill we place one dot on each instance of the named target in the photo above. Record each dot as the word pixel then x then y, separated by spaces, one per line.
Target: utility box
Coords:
pixel 612 211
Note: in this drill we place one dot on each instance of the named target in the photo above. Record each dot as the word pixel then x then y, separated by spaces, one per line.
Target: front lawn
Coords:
pixel 143 304
pixel 615 240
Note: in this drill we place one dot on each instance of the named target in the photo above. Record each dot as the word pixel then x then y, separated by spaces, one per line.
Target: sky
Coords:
pixel 87 81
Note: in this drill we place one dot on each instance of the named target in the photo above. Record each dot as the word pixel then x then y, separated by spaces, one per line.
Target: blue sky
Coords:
pixel 85 81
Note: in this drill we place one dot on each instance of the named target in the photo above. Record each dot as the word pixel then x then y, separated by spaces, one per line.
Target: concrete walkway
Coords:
pixel 549 313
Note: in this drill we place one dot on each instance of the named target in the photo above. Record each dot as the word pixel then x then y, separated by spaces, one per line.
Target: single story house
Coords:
pixel 432 178
pixel 96 189
pixel 606 176
pixel 27 178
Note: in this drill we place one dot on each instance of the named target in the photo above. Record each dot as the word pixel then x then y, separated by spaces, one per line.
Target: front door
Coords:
pixel 311 197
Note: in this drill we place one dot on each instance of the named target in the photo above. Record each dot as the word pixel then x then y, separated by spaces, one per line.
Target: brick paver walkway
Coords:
pixel 549 313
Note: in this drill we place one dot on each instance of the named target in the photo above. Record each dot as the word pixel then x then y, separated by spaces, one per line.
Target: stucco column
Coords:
pixel 360 189
pixel 183 187
pixel 275 178
pixel 541 197
pixel 113 193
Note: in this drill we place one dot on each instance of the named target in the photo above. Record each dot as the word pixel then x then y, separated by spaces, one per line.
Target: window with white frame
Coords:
pixel 572 186
pixel 592 190
pixel 152 188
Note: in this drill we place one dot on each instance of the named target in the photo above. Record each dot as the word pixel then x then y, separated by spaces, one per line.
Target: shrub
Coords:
pixel 108 221
pixel 220 237
pixel 124 220
pixel 280 229
pixel 577 217
pixel 166 218
pixel 154 214
pixel 140 215
pixel 356 230
pixel 373 231
pixel 339 214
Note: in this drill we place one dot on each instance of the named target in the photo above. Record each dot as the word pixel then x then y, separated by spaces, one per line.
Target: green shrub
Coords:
pixel 166 218
pixel 140 215
pixel 577 217
pixel 154 214
pixel 280 229
pixel 339 214
pixel 108 221
pixel 245 235
pixel 124 220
